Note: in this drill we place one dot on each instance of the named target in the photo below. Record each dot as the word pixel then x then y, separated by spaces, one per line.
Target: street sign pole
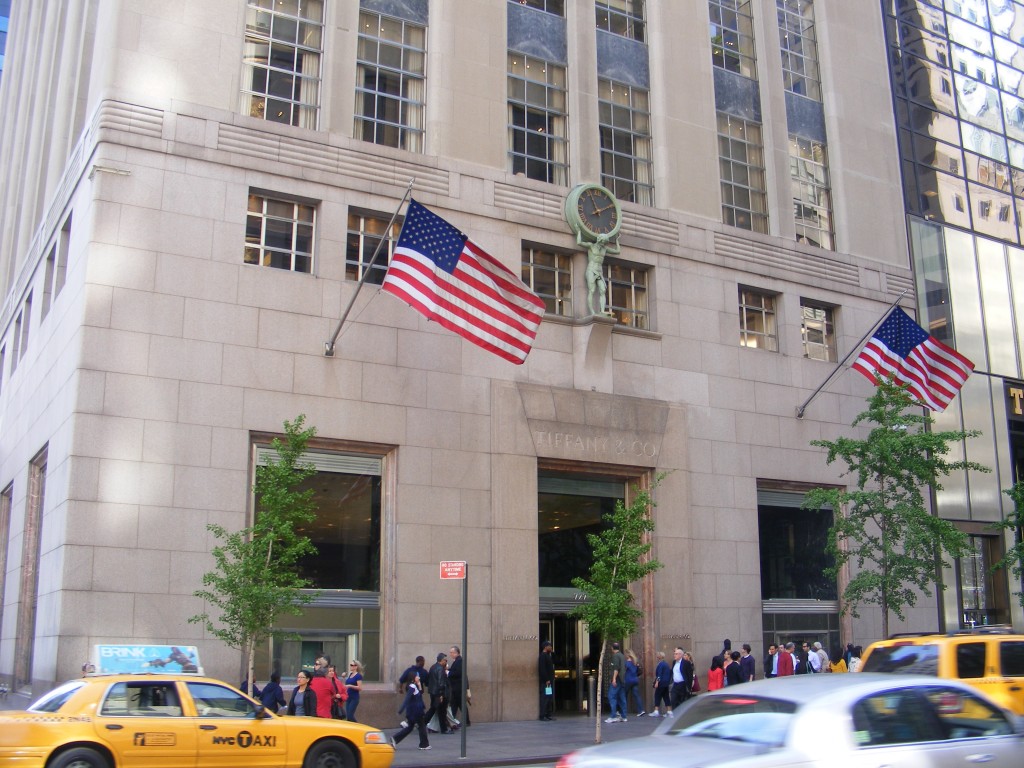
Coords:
pixel 456 569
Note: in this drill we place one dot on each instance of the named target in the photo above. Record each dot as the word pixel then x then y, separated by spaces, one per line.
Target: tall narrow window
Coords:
pixel 16 342
pixel 365 232
pixel 625 126
pixel 621 17
pixel 51 264
pixel 3 357
pixel 741 164
pixel 549 275
pixel 757 320
pixel 26 326
pixel 279 233
pixel 554 7
pixel 812 192
pixel 799 48
pixel 817 328
pixel 627 294
pixel 281 64
pixel 390 81
pixel 6 497
pixel 61 268
pixel 28 590
pixel 537 136
pixel 732 36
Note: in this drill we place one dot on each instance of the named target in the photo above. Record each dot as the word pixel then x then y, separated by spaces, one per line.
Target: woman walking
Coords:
pixel 631 678
pixel 303 700
pixel 414 711
pixel 354 684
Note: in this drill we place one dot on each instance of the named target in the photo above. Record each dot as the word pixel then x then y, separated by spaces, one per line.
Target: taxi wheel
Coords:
pixel 330 754
pixel 81 757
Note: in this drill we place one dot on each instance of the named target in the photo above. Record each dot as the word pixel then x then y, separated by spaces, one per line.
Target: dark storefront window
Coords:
pixel 794 555
pixel 569 509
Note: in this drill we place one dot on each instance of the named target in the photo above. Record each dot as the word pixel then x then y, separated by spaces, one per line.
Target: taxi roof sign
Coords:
pixel 453 569
pixel 135 659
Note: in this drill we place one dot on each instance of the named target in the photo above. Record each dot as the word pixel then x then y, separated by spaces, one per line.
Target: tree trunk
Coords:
pixel 600 679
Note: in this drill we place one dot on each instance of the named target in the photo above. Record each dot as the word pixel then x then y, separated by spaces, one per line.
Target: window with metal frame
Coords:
pixel 622 17
pixel 390 81
pixel 812 191
pixel 732 36
pixel 624 123
pixel 365 232
pixel 799 48
pixel 757 320
pixel 537 119
pixel 549 275
pixel 627 294
pixel 281 61
pixel 279 233
pixel 818 330
pixel 554 7
pixel 741 167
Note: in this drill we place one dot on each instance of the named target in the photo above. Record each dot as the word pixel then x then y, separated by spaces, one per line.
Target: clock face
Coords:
pixel 598 211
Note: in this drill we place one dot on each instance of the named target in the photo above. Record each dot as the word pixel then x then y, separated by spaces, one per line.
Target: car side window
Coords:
pixel 1011 658
pixel 217 701
pixel 966 716
pixel 142 699
pixel 970 660
pixel 894 717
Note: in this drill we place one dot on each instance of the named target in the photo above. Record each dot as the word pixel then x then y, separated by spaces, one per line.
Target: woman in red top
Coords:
pixel 716 675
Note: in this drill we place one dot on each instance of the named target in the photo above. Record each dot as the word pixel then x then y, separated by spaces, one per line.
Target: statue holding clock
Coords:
pixel 594 215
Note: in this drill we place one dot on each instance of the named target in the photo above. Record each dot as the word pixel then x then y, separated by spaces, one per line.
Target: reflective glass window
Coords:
pixel 929 84
pixel 996 301
pixel 279 233
pixel 973 11
pixel 624 125
pixel 818 330
pixel 1011 658
pixel 812 191
pixel 970 660
pixel 799 47
pixel 932 280
pixel 365 232
pixel 925 44
pixel 966 716
pixel 965 297
pixel 757 320
pixel 970 63
pixel 970 36
pixel 992 212
pixel 742 174
pixel 621 17
pixel 549 275
pixel 984 141
pixel 626 299
pixel 537 117
pixel 978 103
pixel 732 36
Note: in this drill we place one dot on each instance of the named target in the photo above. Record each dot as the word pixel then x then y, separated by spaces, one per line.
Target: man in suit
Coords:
pixel 437 686
pixel 546 678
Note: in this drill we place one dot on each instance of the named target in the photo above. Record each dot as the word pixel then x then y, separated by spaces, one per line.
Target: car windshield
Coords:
pixel 907 659
pixel 55 699
pixel 752 719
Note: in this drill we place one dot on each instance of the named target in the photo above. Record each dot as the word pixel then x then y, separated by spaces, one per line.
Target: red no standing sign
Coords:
pixel 453 569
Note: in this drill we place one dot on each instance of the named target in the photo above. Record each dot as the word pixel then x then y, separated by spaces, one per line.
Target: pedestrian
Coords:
pixel 632 682
pixel 661 684
pixel 733 670
pixel 414 714
pixel 771 661
pixel 354 685
pixel 455 681
pixel 726 650
pixel 437 687
pixel 716 675
pixel 303 700
pixel 804 665
pixel 546 678
pixel 272 696
pixel 822 654
pixel 786 664
pixel 837 663
pixel 339 693
pixel 854 665
pixel 747 664
pixel 682 679
pixel 322 687
pixel 617 687
pixel 418 668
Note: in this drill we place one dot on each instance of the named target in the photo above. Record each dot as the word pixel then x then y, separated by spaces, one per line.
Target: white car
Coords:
pixel 825 721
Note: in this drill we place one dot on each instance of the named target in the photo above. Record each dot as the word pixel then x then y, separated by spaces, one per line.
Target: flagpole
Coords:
pixel 800 410
pixel 329 345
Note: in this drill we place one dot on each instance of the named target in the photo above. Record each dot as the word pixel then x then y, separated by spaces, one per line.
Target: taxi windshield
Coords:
pixel 752 719
pixel 56 698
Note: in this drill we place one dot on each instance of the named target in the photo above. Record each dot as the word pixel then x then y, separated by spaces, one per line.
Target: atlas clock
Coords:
pixel 593 212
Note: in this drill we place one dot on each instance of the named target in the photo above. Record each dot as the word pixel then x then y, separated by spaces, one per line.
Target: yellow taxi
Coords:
pixel 991 661
pixel 170 721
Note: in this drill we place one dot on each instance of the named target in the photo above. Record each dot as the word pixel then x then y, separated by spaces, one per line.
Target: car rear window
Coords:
pixel 1011 658
pixel 753 719
pixel 970 660
pixel 908 659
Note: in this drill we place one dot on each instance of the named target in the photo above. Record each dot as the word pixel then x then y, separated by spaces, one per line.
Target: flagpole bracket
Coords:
pixel 328 349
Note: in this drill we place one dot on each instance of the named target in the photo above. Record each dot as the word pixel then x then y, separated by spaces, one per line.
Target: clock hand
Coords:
pixel 602 210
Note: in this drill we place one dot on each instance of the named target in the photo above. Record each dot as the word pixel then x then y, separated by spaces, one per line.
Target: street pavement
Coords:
pixel 520 742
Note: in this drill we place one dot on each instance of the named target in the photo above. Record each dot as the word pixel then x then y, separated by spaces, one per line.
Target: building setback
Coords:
pixel 191 193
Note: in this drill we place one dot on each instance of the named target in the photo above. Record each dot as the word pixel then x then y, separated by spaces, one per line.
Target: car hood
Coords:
pixel 674 751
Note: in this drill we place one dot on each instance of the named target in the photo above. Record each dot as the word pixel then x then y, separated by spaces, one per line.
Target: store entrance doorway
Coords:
pixel 575 653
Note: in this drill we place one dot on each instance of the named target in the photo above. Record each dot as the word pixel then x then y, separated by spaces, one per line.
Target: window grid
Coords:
pixel 818 331
pixel 625 127
pixel 554 7
pixel 732 36
pixel 741 164
pixel 279 234
pixel 390 82
pixel 757 320
pixel 621 17
pixel 549 275
pixel 799 47
pixel 812 191
pixel 537 119
pixel 626 297
pixel 365 231
pixel 281 63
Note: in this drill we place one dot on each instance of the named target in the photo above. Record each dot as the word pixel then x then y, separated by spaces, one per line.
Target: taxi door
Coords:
pixel 228 733
pixel 144 724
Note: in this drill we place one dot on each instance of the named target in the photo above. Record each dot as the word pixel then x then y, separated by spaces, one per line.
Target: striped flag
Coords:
pixel 932 372
pixel 437 270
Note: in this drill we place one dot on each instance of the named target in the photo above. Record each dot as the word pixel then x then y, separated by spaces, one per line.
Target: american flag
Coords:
pixel 932 372
pixel 437 270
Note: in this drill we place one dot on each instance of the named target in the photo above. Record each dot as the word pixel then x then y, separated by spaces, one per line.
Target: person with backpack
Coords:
pixel 414 710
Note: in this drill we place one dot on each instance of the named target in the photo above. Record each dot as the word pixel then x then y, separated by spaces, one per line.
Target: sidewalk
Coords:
pixel 518 742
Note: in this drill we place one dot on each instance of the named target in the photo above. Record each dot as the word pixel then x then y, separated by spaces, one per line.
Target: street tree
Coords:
pixel 882 523
pixel 256 577
pixel 1014 558
pixel 621 557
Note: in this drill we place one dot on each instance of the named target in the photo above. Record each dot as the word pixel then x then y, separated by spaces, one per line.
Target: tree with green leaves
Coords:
pixel 1014 558
pixel 256 578
pixel 621 557
pixel 883 524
